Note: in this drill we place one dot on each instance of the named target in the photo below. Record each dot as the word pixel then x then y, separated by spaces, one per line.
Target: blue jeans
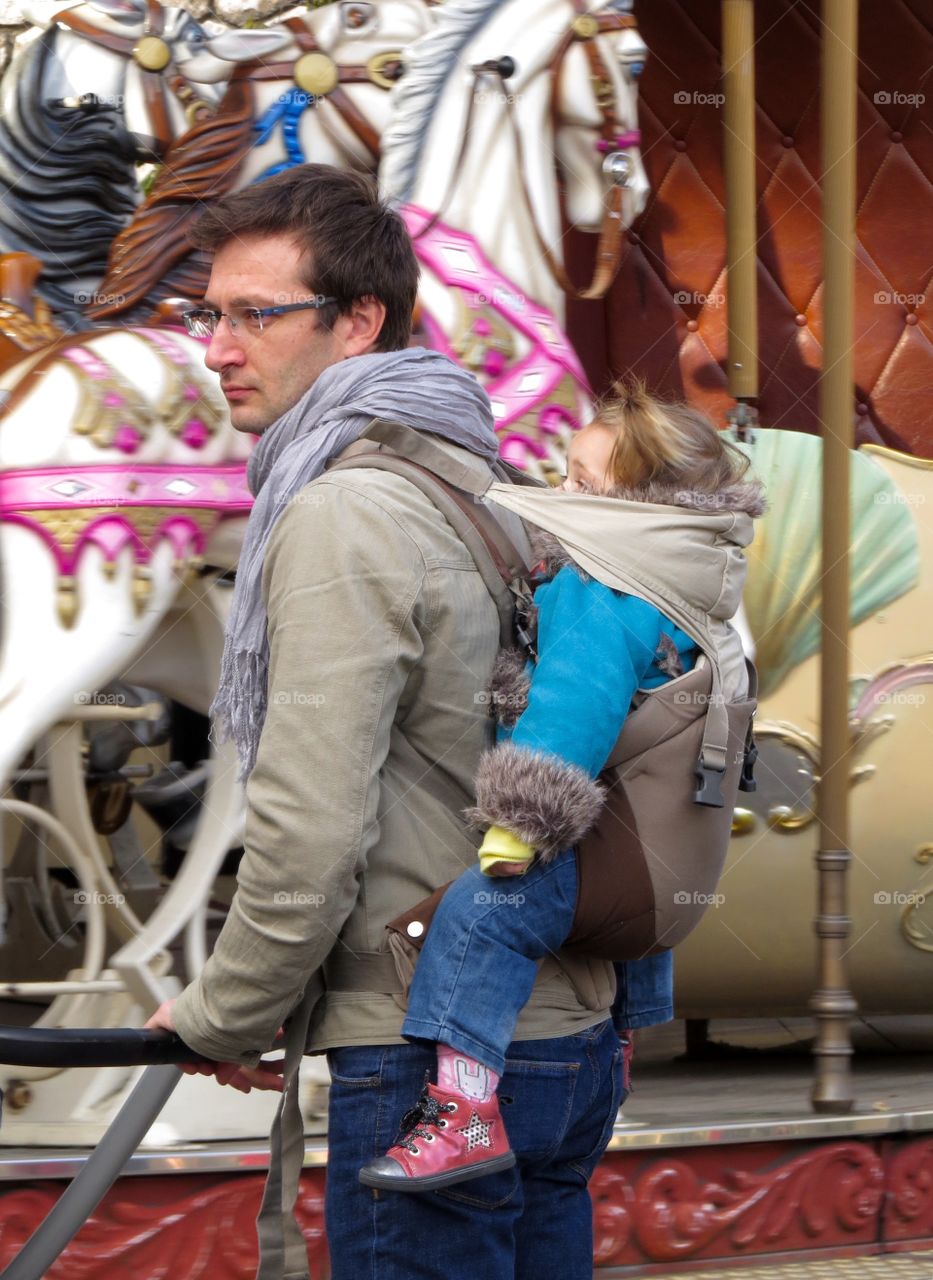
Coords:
pixel 534 1222
pixel 480 960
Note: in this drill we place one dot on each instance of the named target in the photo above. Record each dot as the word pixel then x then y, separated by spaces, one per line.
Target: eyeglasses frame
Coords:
pixel 262 312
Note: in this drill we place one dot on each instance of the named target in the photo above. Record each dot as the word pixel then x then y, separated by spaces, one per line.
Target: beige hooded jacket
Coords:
pixel 382 638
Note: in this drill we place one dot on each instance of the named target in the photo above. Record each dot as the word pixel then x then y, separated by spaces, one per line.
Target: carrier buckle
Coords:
pixel 709 791
pixel 747 780
pixel 526 620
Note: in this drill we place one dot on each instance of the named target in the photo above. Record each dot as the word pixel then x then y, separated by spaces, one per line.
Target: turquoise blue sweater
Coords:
pixel 596 646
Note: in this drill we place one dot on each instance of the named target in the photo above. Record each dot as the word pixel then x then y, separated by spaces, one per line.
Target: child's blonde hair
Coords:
pixel 660 445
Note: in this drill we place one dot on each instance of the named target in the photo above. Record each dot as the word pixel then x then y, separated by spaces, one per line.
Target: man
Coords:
pixel 360 642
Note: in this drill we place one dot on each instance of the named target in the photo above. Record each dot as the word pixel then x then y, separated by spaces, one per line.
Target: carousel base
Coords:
pixel 889 1267
pixel 717 1167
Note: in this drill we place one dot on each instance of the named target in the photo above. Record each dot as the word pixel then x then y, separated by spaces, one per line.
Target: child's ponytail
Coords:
pixel 662 445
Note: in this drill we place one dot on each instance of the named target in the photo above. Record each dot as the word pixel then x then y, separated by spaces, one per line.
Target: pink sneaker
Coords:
pixel 445 1139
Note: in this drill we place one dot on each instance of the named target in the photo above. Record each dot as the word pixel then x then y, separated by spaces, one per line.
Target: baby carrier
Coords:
pixel 649 868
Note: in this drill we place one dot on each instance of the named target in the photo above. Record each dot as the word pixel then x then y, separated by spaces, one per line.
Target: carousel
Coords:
pixel 725 198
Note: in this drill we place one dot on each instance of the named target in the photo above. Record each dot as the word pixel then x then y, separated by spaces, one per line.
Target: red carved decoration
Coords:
pixel 649 1207
pixel 909 1207
pixel 700 1204
pixel 613 1201
pixel 183 1226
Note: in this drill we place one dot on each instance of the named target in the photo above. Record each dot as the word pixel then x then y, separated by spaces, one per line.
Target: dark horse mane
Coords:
pixel 152 260
pixel 67 184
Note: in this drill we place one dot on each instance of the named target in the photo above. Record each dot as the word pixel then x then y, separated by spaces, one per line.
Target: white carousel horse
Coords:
pixel 315 88
pixel 107 85
pixel 511 122
pixel 119 477
pixel 119 472
pixel 108 513
pixel 113 84
pixel 553 142
pixel 108 510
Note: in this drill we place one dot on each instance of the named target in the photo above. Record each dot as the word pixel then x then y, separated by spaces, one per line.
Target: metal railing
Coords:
pixel 160 1053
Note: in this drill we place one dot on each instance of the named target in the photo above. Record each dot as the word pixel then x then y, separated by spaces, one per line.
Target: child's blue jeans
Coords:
pixel 480 958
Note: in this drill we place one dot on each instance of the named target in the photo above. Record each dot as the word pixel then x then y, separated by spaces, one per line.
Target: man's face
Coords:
pixel 263 374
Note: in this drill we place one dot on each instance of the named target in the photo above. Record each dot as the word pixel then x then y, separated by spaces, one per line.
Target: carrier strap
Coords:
pixel 455 490
pixel 361 971
pixel 713 759
pixel 418 447
pixel 283 1251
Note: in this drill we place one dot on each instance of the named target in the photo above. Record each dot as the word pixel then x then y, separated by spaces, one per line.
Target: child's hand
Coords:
pixel 507 869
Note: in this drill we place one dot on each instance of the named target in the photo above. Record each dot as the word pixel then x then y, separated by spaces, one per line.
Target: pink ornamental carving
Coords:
pixel 526 388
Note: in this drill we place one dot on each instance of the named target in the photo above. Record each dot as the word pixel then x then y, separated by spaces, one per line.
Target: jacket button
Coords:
pixel 414 929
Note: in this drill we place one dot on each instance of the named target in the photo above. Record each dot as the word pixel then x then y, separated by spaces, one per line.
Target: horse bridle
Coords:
pixel 319 75
pixel 612 142
pixel 153 56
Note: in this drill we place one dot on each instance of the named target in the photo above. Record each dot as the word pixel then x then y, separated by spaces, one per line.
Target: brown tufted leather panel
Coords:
pixel 678 245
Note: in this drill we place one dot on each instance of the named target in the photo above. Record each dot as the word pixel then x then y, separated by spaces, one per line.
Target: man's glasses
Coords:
pixel 202 322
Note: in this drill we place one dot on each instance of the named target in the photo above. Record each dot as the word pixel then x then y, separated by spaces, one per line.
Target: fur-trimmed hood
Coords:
pixel 681 546
pixel 743 495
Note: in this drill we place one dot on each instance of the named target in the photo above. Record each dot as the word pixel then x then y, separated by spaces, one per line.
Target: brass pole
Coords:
pixel 738 60
pixel 832 1002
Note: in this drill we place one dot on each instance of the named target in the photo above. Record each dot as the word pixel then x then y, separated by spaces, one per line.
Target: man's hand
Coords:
pixel 508 868
pixel 267 1075
pixel 162 1019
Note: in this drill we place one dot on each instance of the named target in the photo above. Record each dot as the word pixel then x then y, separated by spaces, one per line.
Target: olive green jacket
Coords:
pixel 382 639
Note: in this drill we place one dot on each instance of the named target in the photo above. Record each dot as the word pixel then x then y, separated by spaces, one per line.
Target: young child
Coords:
pixel 537 794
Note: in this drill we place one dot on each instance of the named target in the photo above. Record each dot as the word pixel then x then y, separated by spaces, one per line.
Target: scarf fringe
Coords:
pixel 238 710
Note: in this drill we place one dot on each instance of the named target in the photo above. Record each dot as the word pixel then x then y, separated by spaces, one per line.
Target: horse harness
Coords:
pixel 612 143
pixel 316 73
pixel 153 56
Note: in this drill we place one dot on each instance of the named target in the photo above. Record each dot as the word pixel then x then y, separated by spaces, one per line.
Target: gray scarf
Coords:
pixel 420 388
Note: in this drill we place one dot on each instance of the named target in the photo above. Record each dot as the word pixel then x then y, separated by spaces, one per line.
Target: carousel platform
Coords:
pixel 717 1166
pixel 899 1267
pixel 718 1159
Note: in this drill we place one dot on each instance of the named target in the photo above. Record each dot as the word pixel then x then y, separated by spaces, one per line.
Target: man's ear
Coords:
pixel 360 328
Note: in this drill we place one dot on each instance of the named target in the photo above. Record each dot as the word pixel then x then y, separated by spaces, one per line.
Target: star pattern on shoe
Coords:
pixel 476 1132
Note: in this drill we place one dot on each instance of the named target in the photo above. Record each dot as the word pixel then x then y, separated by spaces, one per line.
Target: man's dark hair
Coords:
pixel 354 245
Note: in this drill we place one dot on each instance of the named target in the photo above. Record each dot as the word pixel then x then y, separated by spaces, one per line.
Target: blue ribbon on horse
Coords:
pixel 287 110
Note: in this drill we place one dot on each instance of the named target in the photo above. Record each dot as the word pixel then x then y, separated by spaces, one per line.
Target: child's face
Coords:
pixel 588 460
